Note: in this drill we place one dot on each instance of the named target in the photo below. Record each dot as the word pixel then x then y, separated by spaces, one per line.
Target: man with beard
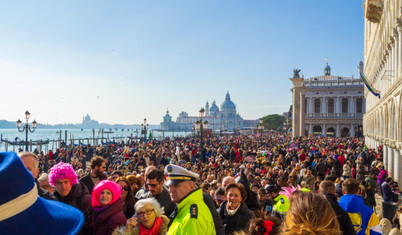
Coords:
pixel 98 167
pixel 154 181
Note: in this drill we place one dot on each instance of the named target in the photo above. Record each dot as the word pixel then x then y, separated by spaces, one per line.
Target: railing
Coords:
pixel 334 115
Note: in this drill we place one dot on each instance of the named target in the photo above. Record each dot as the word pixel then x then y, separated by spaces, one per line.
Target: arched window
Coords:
pixel 359 105
pixel 344 105
pixel 317 130
pixel 331 106
pixel 317 106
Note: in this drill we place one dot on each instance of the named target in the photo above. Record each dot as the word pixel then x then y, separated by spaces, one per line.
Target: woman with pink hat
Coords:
pixel 107 208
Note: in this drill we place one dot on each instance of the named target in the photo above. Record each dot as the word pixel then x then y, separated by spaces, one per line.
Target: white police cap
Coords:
pixel 177 174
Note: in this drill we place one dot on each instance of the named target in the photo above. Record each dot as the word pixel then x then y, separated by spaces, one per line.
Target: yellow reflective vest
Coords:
pixel 192 216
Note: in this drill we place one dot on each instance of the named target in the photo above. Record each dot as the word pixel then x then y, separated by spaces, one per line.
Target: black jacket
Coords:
pixel 236 222
pixel 79 198
pixel 87 181
pixel 42 192
pixel 343 217
pixel 209 201
pixel 252 199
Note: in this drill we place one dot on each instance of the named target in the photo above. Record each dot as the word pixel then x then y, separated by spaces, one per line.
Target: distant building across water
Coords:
pixel 224 118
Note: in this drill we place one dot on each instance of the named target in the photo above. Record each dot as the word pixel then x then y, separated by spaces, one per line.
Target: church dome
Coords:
pixel 214 108
pixel 228 105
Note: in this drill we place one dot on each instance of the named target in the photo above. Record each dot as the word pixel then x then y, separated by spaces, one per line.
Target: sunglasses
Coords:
pixel 125 188
pixel 152 185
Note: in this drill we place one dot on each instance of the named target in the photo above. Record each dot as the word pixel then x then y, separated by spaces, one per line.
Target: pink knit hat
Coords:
pixel 109 185
pixel 62 171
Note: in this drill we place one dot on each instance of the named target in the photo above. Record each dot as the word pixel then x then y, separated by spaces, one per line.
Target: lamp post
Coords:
pixel 200 125
pixel 26 127
pixel 144 129
pixel 261 128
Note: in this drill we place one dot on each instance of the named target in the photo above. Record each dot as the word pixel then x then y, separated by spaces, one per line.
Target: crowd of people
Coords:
pixel 236 184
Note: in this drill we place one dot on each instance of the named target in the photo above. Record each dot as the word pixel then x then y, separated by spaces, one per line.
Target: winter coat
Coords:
pixel 79 198
pixel 136 230
pixel 106 219
pixel 343 217
pixel 238 221
pixel 252 199
pixel 362 216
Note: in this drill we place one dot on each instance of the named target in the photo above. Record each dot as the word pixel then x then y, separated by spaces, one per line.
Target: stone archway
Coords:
pixel 345 132
pixel 317 130
pixel 331 132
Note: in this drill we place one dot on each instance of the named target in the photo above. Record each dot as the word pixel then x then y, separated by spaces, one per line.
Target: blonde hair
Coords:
pixel 310 213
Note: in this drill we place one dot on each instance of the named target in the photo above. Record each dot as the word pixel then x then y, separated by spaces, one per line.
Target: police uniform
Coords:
pixel 192 215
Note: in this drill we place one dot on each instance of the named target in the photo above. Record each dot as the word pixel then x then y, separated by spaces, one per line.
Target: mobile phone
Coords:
pixel 268 209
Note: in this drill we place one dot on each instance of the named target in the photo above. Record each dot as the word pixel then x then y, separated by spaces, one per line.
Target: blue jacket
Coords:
pixel 362 216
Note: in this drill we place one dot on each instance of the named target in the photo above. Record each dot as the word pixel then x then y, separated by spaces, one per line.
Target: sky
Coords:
pixel 125 60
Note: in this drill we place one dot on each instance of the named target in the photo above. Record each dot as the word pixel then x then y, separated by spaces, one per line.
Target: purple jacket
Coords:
pixel 106 219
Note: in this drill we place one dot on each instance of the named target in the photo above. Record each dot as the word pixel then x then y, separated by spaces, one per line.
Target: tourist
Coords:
pixel 127 196
pixel 310 213
pixel 69 191
pixel 234 212
pixel 155 183
pixel 98 167
pixel 107 205
pixel 148 219
pixel 363 217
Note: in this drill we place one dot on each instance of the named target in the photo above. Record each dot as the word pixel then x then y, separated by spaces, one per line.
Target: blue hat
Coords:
pixel 177 174
pixel 22 211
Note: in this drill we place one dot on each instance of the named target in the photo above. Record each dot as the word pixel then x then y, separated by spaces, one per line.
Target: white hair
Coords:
pixel 155 205
pixel 43 177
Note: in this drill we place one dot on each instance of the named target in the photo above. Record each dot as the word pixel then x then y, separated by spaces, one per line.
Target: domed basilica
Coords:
pixel 224 118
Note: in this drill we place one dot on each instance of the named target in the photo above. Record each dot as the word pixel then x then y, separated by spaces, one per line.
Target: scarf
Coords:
pixel 152 231
pixel 231 212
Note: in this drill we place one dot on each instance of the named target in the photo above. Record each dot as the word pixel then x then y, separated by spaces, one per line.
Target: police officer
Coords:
pixel 192 215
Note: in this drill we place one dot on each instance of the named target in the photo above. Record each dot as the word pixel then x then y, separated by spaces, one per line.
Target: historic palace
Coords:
pixel 383 69
pixel 327 105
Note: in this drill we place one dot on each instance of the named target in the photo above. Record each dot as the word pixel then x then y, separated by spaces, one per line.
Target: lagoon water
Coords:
pixel 86 136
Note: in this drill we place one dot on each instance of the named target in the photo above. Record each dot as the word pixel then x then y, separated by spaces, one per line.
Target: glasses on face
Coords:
pixel 125 188
pixel 147 212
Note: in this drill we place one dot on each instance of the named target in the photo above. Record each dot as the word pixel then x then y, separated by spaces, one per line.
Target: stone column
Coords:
pixel 324 130
pixel 390 161
pixel 311 107
pixel 352 131
pixel 337 130
pixel 399 23
pixel 396 50
pixel 337 106
pixel 310 129
pixel 302 108
pixel 397 167
pixel 385 156
pixel 297 83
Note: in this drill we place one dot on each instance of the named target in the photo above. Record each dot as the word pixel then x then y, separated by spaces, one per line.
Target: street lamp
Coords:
pixel 144 129
pixel 26 127
pixel 200 125
pixel 261 128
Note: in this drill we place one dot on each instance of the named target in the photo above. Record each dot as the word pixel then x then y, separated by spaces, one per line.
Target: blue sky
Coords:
pixel 121 61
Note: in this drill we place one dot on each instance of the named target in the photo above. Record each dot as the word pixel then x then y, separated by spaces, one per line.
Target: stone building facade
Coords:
pixel 327 105
pixel 383 69
pixel 224 118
